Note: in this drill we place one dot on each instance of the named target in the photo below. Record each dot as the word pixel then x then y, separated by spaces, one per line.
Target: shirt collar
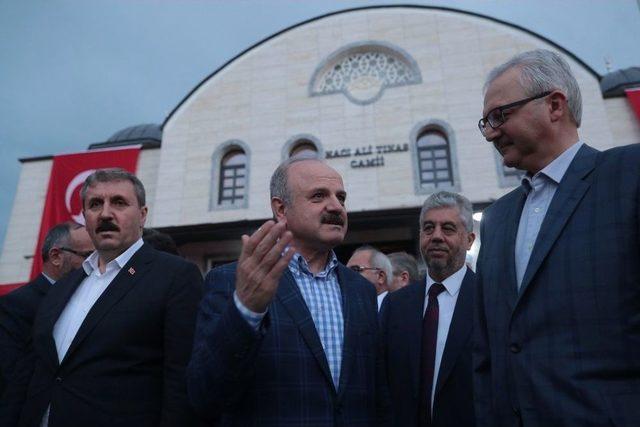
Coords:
pixel 48 278
pixel 299 265
pixel 556 169
pixel 90 264
pixel 452 283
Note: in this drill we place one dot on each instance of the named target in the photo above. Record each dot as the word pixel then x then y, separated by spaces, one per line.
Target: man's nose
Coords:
pixel 105 212
pixel 334 204
pixel 490 134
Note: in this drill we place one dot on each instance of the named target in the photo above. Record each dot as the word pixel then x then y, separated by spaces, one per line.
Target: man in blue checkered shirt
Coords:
pixel 287 336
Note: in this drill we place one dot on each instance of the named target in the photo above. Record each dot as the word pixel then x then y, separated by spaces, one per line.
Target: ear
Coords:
pixel 382 279
pixel 278 208
pixel 405 277
pixel 55 256
pixel 143 212
pixel 471 237
pixel 558 107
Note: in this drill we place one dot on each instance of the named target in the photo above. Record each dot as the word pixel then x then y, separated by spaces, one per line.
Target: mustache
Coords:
pixel 331 218
pixel 106 226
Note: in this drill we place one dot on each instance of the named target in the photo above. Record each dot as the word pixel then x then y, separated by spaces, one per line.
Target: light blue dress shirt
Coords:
pixel 321 292
pixel 540 189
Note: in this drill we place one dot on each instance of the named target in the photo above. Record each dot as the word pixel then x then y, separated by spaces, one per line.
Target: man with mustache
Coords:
pixel 557 330
pixel 112 339
pixel 286 336
pixel 426 326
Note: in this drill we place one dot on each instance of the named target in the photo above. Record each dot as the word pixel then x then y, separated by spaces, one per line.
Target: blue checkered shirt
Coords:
pixel 321 293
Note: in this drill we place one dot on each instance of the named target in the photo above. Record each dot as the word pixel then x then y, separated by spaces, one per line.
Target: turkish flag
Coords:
pixel 633 95
pixel 68 173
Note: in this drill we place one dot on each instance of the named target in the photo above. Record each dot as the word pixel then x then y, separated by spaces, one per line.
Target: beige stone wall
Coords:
pixel 262 99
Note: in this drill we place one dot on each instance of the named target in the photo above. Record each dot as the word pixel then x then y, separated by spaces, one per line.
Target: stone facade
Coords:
pixel 260 101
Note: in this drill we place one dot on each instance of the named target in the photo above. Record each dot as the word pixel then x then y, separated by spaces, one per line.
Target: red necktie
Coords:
pixel 428 354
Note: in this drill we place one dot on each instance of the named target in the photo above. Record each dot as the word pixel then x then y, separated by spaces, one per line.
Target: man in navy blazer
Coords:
pixel 287 336
pixel 113 338
pixel 64 248
pixel 557 339
pixel 445 398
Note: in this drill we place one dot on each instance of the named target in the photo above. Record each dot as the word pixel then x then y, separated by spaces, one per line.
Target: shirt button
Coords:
pixel 59 379
pixel 515 348
pixel 536 210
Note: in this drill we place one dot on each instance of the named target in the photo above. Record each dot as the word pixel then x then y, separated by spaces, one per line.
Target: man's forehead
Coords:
pixel 315 173
pixel 110 188
pixel 442 215
pixel 503 90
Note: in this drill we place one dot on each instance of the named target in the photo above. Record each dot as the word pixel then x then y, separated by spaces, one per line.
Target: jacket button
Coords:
pixel 515 348
pixel 58 379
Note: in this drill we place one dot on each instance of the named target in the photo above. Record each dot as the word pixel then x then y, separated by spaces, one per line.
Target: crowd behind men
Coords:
pixel 115 332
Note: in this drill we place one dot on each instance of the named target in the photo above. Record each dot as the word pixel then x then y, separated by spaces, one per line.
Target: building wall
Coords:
pixel 263 100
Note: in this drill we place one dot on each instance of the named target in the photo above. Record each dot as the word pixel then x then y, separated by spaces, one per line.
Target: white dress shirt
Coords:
pixel 381 298
pixel 447 304
pixel 83 299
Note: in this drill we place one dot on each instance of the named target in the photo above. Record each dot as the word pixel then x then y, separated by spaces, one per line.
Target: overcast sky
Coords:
pixel 73 72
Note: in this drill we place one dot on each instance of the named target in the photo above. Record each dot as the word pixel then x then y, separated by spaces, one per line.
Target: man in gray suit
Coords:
pixel 557 321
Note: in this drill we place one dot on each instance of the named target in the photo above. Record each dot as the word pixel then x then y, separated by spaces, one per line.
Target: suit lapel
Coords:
pixel 290 297
pixel 459 330
pixel 510 286
pixel 139 263
pixel 58 298
pixel 571 190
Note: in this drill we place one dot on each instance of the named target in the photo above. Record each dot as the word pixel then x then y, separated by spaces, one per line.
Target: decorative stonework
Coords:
pixel 363 71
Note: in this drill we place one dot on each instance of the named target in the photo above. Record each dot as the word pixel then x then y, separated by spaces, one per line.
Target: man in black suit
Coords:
pixel 112 339
pixel 426 326
pixel 64 248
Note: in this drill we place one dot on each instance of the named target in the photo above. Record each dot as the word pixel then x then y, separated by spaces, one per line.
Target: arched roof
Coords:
pixel 148 135
pixel 395 6
pixel 614 83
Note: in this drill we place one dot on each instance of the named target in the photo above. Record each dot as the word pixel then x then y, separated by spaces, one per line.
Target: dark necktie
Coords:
pixel 428 354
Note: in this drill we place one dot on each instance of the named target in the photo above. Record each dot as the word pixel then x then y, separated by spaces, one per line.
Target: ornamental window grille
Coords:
pixel 363 71
pixel 434 159
pixel 232 185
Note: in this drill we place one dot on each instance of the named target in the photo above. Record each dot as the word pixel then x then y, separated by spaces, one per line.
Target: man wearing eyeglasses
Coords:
pixel 374 266
pixel 64 248
pixel 557 327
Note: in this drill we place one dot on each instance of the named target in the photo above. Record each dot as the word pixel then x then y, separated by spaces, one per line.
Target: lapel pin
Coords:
pixel 132 271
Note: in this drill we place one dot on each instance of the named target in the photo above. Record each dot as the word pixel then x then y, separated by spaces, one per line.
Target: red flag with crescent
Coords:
pixel 68 173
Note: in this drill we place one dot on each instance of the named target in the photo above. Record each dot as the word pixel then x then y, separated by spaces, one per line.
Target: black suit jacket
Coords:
pixel 125 366
pixel 17 312
pixel 401 325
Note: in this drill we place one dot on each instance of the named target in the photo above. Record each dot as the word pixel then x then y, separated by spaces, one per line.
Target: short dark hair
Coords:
pixel 160 241
pixel 58 235
pixel 111 175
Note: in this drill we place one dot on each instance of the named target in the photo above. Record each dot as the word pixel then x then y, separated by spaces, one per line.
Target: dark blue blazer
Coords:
pixel 401 323
pixel 126 365
pixel 17 312
pixel 564 350
pixel 279 376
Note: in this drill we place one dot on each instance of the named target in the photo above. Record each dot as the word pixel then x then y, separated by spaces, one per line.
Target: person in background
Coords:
pixel 405 270
pixel 374 266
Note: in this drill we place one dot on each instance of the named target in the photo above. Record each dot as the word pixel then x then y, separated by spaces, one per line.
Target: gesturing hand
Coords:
pixel 261 264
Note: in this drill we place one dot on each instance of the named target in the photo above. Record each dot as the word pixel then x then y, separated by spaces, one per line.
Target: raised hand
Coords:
pixel 261 264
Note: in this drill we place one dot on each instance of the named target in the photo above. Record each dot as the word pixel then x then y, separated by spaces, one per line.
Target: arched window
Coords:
pixel 434 159
pixel 303 147
pixel 232 183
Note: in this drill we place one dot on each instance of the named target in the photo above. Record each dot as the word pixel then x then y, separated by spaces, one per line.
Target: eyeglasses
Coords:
pixel 80 254
pixel 360 269
pixel 495 118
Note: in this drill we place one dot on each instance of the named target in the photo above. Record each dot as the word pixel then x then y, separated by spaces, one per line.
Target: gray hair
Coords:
pixel 378 260
pixel 402 261
pixel 279 186
pixel 541 71
pixel 59 235
pixel 445 199
pixel 111 175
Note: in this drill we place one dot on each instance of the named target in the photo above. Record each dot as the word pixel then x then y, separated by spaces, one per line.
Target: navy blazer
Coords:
pixel 279 376
pixel 564 350
pixel 17 312
pixel 401 323
pixel 126 364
